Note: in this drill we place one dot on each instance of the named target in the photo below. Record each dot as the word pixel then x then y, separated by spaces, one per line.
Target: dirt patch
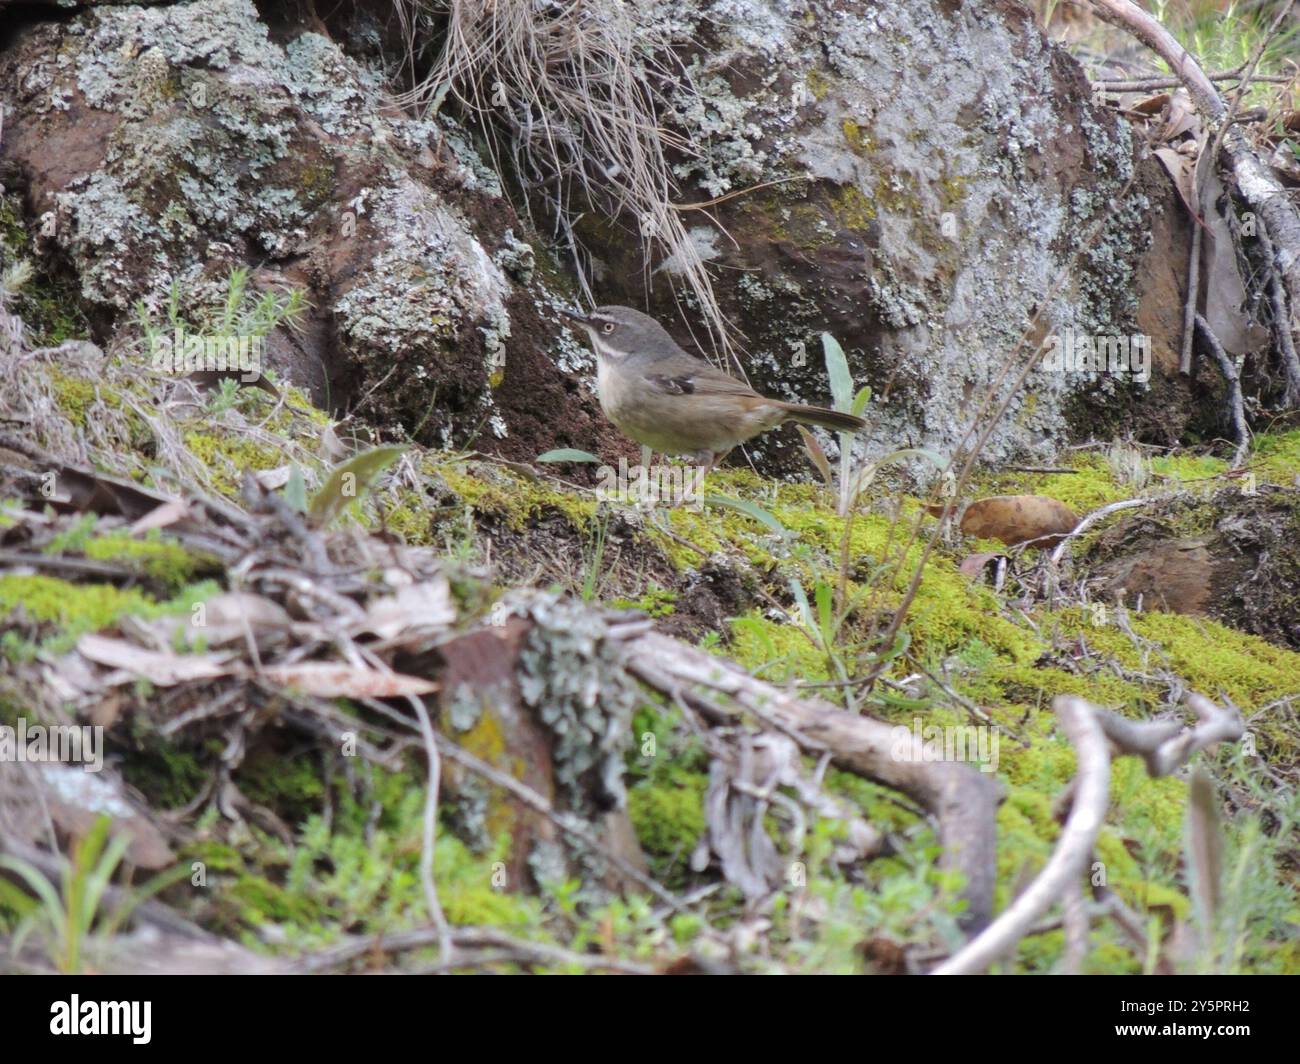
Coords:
pixel 1233 556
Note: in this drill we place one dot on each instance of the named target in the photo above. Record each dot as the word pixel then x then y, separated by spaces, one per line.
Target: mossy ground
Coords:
pixel 341 871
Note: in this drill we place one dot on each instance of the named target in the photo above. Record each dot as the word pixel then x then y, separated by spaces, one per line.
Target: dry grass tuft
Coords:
pixel 571 94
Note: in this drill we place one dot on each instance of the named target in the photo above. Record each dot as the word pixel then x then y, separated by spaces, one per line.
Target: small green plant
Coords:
pixel 73 921
pixel 1228 38
pixel 591 582
pixel 851 482
pixel 225 397
pixel 349 480
pixel 239 313
pixel 568 454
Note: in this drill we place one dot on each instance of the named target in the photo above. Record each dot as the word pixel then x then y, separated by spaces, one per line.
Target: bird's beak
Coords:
pixel 581 319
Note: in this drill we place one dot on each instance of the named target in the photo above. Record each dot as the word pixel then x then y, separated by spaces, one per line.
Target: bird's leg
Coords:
pixel 707 461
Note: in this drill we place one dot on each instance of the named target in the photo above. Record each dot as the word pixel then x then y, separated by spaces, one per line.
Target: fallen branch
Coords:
pixel 1073 848
pixel 962 800
pixel 429 828
pixel 1282 322
pixel 1163 745
pixel 474 947
pixel 1092 519
pixel 1157 83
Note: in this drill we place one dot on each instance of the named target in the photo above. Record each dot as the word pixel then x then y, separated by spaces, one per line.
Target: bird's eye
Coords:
pixel 607 328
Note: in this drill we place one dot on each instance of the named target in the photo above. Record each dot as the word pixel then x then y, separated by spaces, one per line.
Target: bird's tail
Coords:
pixel 835 420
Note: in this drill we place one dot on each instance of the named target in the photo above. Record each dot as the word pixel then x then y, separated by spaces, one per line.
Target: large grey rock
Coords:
pixel 949 166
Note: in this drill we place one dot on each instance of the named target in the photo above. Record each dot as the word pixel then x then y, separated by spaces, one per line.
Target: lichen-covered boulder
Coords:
pixel 159 147
pixel 923 177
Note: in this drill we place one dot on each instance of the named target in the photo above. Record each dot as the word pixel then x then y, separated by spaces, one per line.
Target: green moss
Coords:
pixel 78 397
pixel 852 208
pixel 168 775
pixel 411 519
pixel 468 896
pixel 790 220
pixel 1209 656
pixel 668 817
pixel 1089 487
pixel 162 560
pixel 1025 837
pixel 952 190
pixel 293 787
pixel 860 142
pixel 1276 458
pixel 817 83
pixel 13 230
pixel 515 498
pixel 486 741
pixel 228 457
pixel 656 602
pixel 1093 484
pixel 73 395
pixel 316 181
pixel 51 307
pixel 72 609
pixel 298 404
pixel 781 651
pixel 262 902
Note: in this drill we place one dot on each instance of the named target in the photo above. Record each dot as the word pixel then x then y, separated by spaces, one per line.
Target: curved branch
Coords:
pixel 1164 745
pixel 1073 848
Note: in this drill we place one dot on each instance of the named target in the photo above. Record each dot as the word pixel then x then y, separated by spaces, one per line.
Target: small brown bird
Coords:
pixel 674 403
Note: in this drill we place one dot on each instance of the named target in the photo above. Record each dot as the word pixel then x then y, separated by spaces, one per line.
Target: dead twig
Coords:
pixel 429 829
pixel 1281 322
pixel 1073 848
pixel 1232 375
pixel 1089 521
pixel 474 947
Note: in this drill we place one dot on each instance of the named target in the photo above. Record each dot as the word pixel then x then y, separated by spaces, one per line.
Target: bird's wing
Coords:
pixel 697 379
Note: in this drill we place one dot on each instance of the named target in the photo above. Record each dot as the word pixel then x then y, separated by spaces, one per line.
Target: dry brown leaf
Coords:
pixel 274 479
pixel 1284 161
pixel 816 454
pixel 84 491
pixel 162 668
pixel 974 565
pixel 1181 119
pixel 162 516
pixel 1152 105
pixel 331 448
pixel 227 618
pixel 1222 286
pixel 1182 171
pixel 1019 518
pixel 423 607
pixel 339 680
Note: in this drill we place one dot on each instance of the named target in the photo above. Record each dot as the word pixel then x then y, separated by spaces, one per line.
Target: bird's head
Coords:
pixel 617 332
